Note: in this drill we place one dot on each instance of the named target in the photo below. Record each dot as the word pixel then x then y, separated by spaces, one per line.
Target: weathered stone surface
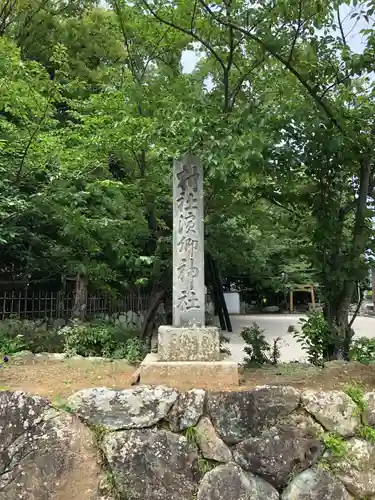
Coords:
pixel 18 413
pixel 152 464
pixel 238 415
pixel 44 454
pixel 134 408
pixel 212 374
pixel 315 484
pixel 370 413
pixel 211 446
pixel 189 344
pixel 229 482
pixel 23 355
pixel 271 309
pixel 188 242
pixel 357 469
pixel 187 410
pixel 264 490
pixel 335 410
pixel 290 446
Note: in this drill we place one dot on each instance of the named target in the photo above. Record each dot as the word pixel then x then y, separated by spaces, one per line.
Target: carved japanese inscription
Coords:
pixel 188 243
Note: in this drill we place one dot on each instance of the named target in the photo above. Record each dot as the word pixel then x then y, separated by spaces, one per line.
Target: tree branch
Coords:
pixel 29 143
pixel 192 20
pixel 6 10
pixel 296 31
pixel 118 13
pixel 189 32
pixel 229 64
pixel 359 238
pixel 333 85
pixel 361 294
pixel 341 28
pixel 287 64
pixel 238 86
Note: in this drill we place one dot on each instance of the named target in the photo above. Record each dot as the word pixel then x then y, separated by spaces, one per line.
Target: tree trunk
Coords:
pixel 146 331
pixel 336 314
pixel 80 298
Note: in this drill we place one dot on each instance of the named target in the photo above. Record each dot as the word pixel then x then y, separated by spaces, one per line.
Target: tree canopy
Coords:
pixel 95 103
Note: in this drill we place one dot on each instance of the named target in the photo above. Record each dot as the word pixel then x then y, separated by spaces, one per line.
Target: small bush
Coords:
pixel 363 350
pixel 17 335
pixel 258 349
pixel 102 339
pixel 11 345
pixel 315 337
pixel 133 350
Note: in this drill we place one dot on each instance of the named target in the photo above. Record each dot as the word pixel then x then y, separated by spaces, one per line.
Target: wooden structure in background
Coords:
pixel 301 288
pixel 26 304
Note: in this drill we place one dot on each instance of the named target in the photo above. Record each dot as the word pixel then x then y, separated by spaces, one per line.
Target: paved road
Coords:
pixel 276 325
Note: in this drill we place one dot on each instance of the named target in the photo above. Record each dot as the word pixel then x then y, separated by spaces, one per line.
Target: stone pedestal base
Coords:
pixel 188 344
pixel 213 375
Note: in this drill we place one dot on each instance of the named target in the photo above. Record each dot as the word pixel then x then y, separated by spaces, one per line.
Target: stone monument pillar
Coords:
pixel 188 243
pixel 188 350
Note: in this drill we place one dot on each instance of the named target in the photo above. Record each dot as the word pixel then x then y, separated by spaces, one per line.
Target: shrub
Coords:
pixel 363 350
pixel 102 339
pixel 315 337
pixel 133 350
pixel 258 349
pixel 17 335
pixel 11 345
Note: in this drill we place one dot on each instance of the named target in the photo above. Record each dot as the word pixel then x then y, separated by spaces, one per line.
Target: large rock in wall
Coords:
pixel 286 448
pixel 152 463
pixel 45 454
pixel 247 412
pixel 154 443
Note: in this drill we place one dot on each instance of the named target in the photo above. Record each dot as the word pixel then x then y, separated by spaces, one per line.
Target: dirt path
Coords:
pixel 60 378
pixel 54 378
pixel 335 375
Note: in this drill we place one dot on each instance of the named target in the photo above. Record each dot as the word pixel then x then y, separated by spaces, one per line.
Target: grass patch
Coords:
pixel 356 393
pixel 191 435
pixel 335 444
pixel 109 488
pixel 338 449
pixel 99 432
pixel 368 433
pixel 61 404
pixel 205 466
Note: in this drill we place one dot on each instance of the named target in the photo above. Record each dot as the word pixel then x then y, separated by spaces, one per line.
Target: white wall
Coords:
pixel 232 300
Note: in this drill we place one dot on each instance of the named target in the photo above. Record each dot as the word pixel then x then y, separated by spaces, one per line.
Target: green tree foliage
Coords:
pixel 315 101
pixel 94 106
pixel 61 213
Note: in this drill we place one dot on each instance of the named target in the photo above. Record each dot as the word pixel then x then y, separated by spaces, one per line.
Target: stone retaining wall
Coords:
pixel 154 443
